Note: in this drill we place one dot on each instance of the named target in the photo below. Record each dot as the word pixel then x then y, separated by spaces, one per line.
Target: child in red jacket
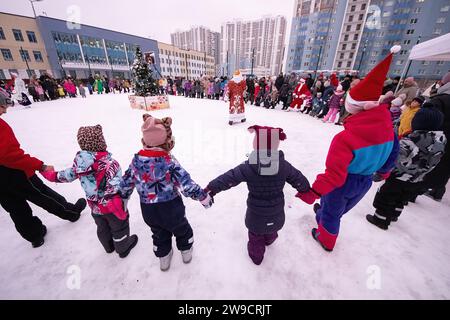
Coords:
pixel 366 146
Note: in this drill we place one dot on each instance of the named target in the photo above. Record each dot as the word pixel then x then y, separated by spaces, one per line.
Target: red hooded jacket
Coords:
pixel 12 156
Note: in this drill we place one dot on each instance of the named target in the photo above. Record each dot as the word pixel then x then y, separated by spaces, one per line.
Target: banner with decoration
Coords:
pixel 149 103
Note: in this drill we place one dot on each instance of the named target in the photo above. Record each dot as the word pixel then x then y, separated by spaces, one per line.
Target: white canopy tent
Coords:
pixel 437 49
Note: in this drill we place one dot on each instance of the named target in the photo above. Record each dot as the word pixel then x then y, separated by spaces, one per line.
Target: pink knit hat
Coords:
pixel 157 133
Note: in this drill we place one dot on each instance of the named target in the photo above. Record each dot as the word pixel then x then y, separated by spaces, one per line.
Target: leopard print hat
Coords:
pixel 91 139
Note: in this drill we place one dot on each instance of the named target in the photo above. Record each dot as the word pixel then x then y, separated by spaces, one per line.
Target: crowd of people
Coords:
pixel 46 87
pixel 396 136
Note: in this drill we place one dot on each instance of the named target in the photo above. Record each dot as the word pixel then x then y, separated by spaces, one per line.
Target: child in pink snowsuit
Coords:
pixel 334 105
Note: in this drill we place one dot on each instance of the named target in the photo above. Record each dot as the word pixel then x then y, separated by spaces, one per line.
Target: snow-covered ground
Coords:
pixel 410 261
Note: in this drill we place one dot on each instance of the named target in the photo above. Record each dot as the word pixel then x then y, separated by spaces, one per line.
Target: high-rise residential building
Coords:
pixel 325 34
pixel 259 43
pixel 22 48
pixel 200 39
pixel 354 35
pixel 404 22
pixel 188 64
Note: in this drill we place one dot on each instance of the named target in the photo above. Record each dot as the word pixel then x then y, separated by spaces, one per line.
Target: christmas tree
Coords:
pixel 143 80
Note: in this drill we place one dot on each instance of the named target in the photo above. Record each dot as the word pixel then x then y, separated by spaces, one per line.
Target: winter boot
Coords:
pixel 186 255
pixel 256 248
pixel 80 205
pixel 134 241
pixel 230 123
pixel 39 242
pixel 380 223
pixel 243 120
pixel 432 195
pixel 270 238
pixel 324 238
pixel 164 262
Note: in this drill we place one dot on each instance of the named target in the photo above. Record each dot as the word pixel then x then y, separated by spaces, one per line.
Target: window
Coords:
pixel 445 9
pixel 25 55
pixel 339 64
pixel 413 21
pixel 349 64
pixel 350 18
pixel 361 17
pixel 437 31
pixel 17 34
pixel 344 46
pixel 346 37
pixel 407 42
pixel 2 75
pixel 355 37
pixel 349 28
pixel 351 55
pixel 363 6
pixel 31 36
pixel 353 46
pixel 2 34
pixel 7 54
pixel 38 56
pixel 353 8
pixel 440 20
pixel 410 31
pixel 358 27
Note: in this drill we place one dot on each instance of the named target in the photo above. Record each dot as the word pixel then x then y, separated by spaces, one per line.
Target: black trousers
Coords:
pixel 437 179
pixel 390 198
pixel 16 189
pixel 113 233
pixel 167 219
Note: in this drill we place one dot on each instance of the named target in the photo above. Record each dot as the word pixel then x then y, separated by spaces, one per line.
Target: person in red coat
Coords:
pixel 300 93
pixel 19 184
pixel 236 87
pixel 367 147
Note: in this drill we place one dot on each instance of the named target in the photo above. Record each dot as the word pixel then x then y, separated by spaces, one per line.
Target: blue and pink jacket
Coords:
pixel 158 177
pixel 367 145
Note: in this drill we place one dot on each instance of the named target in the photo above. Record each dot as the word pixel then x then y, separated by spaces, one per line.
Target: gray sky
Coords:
pixel 156 19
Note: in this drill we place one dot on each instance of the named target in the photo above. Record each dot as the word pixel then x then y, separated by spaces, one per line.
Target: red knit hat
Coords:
pixel 269 132
pixel 334 80
pixel 371 87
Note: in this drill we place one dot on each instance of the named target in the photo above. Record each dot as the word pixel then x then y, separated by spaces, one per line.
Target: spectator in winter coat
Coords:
pixel 420 152
pixel 279 81
pixel 251 89
pixel 217 89
pixel 100 176
pixel 158 177
pixel 265 173
pixel 409 89
pixel 20 184
pixel 407 116
pixel 437 179
pixel 334 105
pixel 284 93
pixel 395 109
pixel 367 145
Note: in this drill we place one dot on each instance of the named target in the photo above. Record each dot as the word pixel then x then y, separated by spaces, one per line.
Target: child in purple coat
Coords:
pixel 265 173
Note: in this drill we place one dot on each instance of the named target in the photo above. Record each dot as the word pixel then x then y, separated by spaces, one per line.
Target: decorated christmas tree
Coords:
pixel 144 83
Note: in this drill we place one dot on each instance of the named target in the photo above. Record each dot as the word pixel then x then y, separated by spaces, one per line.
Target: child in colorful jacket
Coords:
pixel 100 177
pixel 334 105
pixel 411 108
pixel 158 176
pixel 367 145
pixel 420 152
pixel 265 173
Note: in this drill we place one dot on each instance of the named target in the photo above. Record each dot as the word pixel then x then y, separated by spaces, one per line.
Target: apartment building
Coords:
pixel 188 64
pixel 22 47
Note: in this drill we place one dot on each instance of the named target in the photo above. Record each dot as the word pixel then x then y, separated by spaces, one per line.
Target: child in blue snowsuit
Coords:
pixel 158 176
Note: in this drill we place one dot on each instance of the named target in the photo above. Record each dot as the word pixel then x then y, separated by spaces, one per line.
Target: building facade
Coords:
pixel 199 39
pixel 404 22
pixel 352 36
pixel 258 43
pixel 22 47
pixel 188 64
pixel 80 50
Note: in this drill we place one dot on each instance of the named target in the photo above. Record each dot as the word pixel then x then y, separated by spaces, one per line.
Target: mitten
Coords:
pixel 207 202
pixel 309 197
pixel 51 176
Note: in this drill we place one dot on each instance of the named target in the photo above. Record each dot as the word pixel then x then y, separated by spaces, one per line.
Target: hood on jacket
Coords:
pixel 84 160
pixel 445 89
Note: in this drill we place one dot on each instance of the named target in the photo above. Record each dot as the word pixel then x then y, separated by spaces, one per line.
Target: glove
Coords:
pixel 208 201
pixel 309 197
pixel 51 176
pixel 378 177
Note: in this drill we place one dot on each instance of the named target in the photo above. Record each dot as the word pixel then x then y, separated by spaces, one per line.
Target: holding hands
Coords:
pixel 207 201
pixel 309 196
